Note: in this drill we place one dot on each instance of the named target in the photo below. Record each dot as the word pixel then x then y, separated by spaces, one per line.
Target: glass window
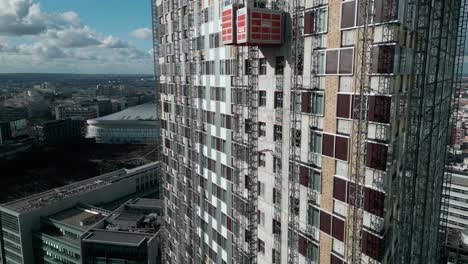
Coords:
pixel 316 21
pixel 261 189
pixel 276 164
pixel 261 246
pixel 262 129
pixel 312 252
pixel 332 62
pixel 247 67
pixel 261 159
pixel 279 67
pixel 278 133
pixel 317 103
pixel 315 142
pixel 278 100
pixel 263 66
pixel 262 98
pixel 313 216
pixel 348 14
pixel 315 180
pixel 346 61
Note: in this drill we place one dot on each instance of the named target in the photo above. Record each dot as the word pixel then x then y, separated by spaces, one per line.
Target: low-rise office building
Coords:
pixel 48 227
pixel 82 112
pixel 59 131
pixel 131 234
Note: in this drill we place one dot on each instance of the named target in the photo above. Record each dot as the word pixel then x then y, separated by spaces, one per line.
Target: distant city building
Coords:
pixel 76 112
pixel 59 131
pixel 9 113
pixel 105 107
pixel 457 137
pixel 135 125
pixel 12 129
pixel 11 150
pixel 457 218
pixel 49 227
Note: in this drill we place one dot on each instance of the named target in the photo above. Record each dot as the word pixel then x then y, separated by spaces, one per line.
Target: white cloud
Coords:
pixel 58 42
pixel 142 33
pixel 21 17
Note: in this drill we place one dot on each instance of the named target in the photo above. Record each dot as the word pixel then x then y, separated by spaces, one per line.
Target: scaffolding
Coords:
pixel 459 31
pixel 436 26
pixel 297 64
pixel 359 129
pixel 195 100
pixel 278 156
pixel 245 98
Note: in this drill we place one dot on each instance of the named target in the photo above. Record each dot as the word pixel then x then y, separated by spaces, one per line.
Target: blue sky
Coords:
pixel 76 36
pixel 114 17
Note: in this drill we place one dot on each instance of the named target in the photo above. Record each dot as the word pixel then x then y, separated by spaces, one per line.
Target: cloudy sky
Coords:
pixel 75 36
pixel 78 36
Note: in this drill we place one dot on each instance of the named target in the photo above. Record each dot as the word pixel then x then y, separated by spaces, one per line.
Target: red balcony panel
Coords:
pixel 341 148
pixel 376 156
pixel 335 260
pixel 339 189
pixel 379 109
pixel 371 245
pixel 325 222
pixel 343 106
pixel 305 102
pixel 374 202
pixel 383 59
pixel 328 145
pixel 309 22
pixel 304 176
pixel 302 245
pixel 338 228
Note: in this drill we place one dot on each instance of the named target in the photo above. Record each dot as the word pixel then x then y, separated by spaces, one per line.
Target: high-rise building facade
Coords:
pixel 308 131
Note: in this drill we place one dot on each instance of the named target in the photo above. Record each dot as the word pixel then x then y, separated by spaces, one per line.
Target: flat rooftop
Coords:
pixel 37 201
pixel 143 112
pixel 116 237
pixel 78 217
pixel 144 202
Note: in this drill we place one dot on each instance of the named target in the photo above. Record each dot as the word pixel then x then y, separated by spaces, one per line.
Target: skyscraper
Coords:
pixel 308 131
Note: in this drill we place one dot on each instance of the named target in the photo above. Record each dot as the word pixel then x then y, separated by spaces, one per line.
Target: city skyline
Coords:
pixel 43 36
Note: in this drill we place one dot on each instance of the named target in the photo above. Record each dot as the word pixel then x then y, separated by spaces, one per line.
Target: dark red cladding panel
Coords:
pixel 338 228
pixel 386 10
pixel 376 156
pixel 305 102
pixel 379 109
pixel 335 260
pixel 302 245
pixel 325 222
pixel 341 148
pixel 343 107
pixel 339 189
pixel 328 145
pixel 304 176
pixel 309 22
pixel 371 245
pixel 374 201
pixel 383 59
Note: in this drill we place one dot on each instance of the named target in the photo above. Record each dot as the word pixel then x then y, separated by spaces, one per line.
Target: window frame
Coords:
pixel 317 10
pixel 323 69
